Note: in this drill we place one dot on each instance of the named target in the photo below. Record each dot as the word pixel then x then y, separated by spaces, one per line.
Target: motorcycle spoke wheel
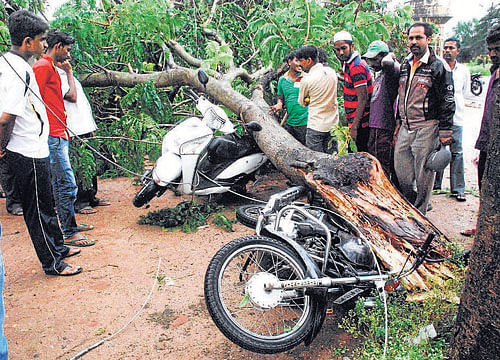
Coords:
pixel 265 321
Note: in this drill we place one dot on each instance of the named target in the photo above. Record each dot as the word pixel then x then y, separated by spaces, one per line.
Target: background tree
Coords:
pixel 477 333
pixel 473 33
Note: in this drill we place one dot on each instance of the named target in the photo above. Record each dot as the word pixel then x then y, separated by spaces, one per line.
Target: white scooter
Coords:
pixel 201 163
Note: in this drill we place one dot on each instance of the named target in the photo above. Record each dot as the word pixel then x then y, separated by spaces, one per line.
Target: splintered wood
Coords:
pixel 356 187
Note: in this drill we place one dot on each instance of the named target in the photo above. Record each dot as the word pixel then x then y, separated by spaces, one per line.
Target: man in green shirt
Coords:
pixel 288 93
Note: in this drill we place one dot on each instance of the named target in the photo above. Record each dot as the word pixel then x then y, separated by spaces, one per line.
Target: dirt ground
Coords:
pixel 57 317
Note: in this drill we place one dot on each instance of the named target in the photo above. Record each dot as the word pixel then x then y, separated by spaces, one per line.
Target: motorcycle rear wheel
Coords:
pixel 476 87
pixel 249 214
pixel 259 320
pixel 148 191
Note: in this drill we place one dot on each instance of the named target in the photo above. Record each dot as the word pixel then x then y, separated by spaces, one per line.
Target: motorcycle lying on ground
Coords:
pixel 476 85
pixel 269 292
pixel 202 163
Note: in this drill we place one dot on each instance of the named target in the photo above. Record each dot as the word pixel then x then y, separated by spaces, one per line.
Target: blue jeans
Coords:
pixel 4 354
pixel 63 185
pixel 457 176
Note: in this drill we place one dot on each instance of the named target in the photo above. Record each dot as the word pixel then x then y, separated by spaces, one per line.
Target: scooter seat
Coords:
pixel 222 148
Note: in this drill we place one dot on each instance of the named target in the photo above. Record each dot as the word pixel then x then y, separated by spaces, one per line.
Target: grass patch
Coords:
pixel 405 320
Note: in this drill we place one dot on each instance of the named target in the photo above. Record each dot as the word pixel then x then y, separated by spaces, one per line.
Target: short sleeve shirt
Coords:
pixel 289 89
pixel 356 73
pixel 18 96
pixel 49 82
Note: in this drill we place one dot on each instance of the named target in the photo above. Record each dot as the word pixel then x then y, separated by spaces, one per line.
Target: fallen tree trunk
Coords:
pixel 354 185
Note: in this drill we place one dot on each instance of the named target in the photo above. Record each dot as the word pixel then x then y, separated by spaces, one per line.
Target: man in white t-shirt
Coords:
pixel 461 80
pixel 24 131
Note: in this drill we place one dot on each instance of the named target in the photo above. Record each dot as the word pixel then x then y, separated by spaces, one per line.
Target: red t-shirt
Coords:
pixel 49 83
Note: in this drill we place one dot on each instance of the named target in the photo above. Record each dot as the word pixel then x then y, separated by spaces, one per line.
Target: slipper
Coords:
pixel 85 227
pixel 17 211
pixel 103 202
pixel 79 241
pixel 470 232
pixel 87 210
pixel 460 197
pixel 72 252
pixel 72 270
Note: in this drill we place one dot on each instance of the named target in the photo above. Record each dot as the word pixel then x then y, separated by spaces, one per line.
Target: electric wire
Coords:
pixel 99 343
pixel 95 151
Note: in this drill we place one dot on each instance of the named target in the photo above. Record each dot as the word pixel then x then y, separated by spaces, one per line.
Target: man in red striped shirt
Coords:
pixel 358 88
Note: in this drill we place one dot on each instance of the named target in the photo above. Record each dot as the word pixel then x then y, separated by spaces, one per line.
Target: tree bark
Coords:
pixel 354 185
pixel 477 329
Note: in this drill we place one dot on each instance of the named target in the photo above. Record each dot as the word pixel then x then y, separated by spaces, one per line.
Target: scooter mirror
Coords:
pixel 254 126
pixel 203 77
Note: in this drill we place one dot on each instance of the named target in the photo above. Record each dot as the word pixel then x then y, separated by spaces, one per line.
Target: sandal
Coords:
pixel 79 241
pixel 470 232
pixel 72 252
pixel 87 210
pixel 67 270
pixel 17 211
pixel 85 227
pixel 460 197
pixel 102 202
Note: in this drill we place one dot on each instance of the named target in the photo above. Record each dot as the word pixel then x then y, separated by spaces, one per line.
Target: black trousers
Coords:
pixel 481 166
pixel 32 179
pixel 7 181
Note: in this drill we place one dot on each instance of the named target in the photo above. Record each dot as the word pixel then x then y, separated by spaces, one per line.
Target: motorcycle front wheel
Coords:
pixel 476 87
pixel 248 314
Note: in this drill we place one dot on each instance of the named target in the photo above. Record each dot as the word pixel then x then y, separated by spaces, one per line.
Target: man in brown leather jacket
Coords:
pixel 425 113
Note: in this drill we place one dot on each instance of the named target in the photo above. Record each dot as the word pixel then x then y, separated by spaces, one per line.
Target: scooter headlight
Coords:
pixel 213 120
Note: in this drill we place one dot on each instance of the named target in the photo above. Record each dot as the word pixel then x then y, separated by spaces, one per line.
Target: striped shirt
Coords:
pixel 356 74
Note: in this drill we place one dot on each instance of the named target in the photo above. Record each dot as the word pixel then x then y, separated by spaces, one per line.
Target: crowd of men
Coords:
pixel 403 113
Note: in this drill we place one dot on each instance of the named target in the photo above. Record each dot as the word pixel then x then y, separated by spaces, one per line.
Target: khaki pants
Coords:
pixel 410 154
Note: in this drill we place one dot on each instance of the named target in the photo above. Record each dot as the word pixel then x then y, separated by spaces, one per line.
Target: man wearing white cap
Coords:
pixel 358 87
pixel 382 115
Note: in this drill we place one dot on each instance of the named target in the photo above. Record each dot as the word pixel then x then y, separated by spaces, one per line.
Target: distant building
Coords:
pixel 432 11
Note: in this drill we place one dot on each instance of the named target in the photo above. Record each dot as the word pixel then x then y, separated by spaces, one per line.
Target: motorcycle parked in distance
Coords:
pixel 269 292
pixel 202 163
pixel 476 85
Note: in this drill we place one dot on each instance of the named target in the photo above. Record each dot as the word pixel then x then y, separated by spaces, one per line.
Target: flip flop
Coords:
pixel 85 227
pixel 79 241
pixel 103 202
pixel 470 232
pixel 17 211
pixel 72 252
pixel 87 210
pixel 76 270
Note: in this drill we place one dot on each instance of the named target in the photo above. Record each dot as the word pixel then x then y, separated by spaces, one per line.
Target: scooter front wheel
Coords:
pixel 248 314
pixel 148 191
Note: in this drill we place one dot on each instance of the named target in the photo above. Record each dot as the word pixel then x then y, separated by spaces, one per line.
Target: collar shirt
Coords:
pixel 320 86
pixel 356 74
pixel 19 96
pixel 49 82
pixel 461 80
pixel 385 91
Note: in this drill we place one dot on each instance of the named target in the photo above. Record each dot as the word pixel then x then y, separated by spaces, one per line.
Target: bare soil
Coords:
pixel 57 317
